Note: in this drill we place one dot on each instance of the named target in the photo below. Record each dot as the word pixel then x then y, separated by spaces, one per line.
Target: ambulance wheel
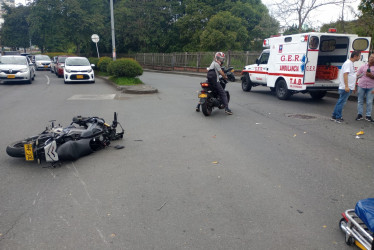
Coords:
pixel 246 83
pixel 282 91
pixel 317 95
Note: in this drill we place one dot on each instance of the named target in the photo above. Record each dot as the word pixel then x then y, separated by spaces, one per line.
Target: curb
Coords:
pixel 131 89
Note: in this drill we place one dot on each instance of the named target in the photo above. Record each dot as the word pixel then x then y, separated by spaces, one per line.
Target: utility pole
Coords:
pixel 113 36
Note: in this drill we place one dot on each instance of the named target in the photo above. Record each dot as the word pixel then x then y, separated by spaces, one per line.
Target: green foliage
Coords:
pixel 125 67
pixel 14 32
pixel 148 26
pixel 224 32
pixel 93 60
pixel 103 63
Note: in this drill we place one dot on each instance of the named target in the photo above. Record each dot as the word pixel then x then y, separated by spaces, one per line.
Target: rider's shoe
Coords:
pixel 228 111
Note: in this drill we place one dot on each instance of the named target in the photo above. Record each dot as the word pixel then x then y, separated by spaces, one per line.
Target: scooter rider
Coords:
pixel 213 78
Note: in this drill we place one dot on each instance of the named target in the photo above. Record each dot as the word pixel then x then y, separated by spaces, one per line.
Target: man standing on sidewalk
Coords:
pixel 347 79
pixel 365 88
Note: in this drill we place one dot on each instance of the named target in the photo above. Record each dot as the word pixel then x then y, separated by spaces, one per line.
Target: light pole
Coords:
pixel 112 25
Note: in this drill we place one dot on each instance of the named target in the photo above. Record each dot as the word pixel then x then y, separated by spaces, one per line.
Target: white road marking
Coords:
pixel 93 97
pixel 47 80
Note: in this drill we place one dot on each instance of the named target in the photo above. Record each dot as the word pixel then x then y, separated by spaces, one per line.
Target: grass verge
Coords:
pixel 125 80
pixel 121 80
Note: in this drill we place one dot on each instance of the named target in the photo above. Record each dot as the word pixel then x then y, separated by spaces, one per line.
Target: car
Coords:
pixel 53 64
pixel 16 69
pixel 60 63
pixel 11 53
pixel 42 62
pixel 78 69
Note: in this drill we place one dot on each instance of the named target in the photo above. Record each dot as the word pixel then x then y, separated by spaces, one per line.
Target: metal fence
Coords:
pixel 192 61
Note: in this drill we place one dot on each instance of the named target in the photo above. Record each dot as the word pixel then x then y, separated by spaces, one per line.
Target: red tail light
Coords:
pixel 204 84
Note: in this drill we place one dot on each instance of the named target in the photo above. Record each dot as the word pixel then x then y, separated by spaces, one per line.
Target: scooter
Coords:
pixel 358 224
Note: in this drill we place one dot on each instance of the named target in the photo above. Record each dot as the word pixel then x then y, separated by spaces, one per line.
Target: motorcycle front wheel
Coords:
pixel 16 149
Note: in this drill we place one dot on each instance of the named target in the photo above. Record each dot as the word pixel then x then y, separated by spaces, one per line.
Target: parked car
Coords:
pixel 11 53
pixel 78 69
pixel 16 68
pixel 42 62
pixel 60 63
pixel 53 64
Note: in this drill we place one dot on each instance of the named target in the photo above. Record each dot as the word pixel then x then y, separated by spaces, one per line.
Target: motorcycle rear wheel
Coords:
pixel 16 149
pixel 206 108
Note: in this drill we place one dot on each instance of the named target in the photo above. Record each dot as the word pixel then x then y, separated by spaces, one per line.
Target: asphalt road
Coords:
pixel 275 175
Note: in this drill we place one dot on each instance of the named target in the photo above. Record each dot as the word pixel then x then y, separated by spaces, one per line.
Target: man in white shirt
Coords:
pixel 347 79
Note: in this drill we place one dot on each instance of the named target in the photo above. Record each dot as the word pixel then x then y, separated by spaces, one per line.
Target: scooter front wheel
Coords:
pixel 206 108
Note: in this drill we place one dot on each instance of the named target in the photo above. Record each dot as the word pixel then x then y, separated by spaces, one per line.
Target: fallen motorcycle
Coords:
pixel 83 136
pixel 229 72
pixel 358 224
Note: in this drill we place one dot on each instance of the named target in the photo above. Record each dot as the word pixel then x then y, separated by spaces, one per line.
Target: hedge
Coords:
pixel 103 63
pixel 126 67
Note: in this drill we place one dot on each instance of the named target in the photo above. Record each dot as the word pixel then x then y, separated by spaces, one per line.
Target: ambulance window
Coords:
pixel 360 44
pixel 264 58
pixel 328 45
pixel 288 39
pixel 313 42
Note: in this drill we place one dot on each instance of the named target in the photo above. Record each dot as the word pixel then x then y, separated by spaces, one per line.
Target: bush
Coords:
pixel 125 67
pixel 93 60
pixel 102 64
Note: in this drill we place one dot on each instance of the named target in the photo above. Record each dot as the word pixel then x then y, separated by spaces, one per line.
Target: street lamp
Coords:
pixel 112 25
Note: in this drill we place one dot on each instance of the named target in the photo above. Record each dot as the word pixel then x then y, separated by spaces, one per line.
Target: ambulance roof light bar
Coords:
pixel 332 30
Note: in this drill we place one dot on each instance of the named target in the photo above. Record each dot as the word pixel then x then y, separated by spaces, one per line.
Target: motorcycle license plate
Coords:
pixel 232 70
pixel 29 155
pixel 79 76
pixel 11 76
pixel 203 95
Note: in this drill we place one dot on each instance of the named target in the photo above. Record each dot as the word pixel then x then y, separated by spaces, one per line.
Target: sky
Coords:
pixel 327 14
pixel 323 15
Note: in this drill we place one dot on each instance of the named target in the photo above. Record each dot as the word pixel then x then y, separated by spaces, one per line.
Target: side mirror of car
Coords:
pixel 257 61
pixel 92 65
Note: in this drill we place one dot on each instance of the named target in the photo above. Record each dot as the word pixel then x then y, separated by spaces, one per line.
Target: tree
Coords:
pixel 299 9
pixel 224 32
pixel 15 20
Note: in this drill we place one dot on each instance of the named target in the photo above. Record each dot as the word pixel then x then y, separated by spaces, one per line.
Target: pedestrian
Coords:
pixel 347 82
pixel 365 88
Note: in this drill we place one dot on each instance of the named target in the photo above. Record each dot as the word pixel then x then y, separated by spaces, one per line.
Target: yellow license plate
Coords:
pixel 232 70
pixel 29 154
pixel 45 66
pixel 79 76
pixel 203 95
pixel 11 76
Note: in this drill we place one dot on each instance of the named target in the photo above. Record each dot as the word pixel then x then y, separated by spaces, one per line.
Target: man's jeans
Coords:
pixel 369 101
pixel 343 97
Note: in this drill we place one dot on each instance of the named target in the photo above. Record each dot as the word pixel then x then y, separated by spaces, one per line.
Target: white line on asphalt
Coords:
pixel 47 79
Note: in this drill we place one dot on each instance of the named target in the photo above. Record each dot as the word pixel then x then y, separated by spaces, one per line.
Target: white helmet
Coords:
pixel 220 57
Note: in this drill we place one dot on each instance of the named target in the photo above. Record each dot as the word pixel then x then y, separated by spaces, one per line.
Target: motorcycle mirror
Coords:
pixel 115 120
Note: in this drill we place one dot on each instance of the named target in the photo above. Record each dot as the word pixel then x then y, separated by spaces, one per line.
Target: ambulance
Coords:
pixel 304 63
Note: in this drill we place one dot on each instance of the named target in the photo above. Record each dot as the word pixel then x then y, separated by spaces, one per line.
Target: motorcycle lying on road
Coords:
pixel 210 98
pixel 83 136
pixel 229 72
pixel 358 224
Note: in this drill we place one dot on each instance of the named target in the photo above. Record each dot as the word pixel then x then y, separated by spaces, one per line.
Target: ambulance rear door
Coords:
pixel 361 44
pixel 311 58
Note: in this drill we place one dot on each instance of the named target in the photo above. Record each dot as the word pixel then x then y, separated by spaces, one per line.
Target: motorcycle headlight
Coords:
pixel 24 70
